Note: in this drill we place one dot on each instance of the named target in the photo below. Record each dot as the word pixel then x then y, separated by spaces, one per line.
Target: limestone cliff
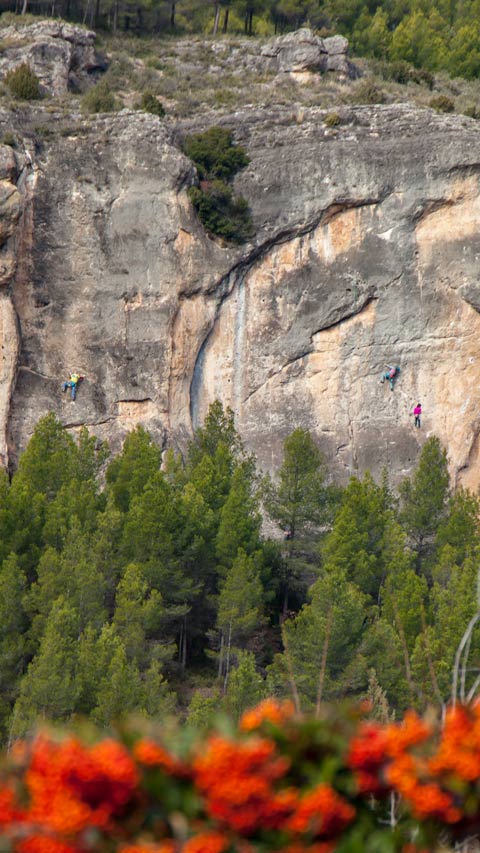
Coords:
pixel 366 253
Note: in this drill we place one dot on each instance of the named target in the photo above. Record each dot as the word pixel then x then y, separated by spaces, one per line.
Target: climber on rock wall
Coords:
pixel 417 414
pixel 391 375
pixel 72 383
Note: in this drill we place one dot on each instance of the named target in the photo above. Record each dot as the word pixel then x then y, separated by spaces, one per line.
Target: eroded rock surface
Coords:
pixel 366 254
pixel 303 51
pixel 62 55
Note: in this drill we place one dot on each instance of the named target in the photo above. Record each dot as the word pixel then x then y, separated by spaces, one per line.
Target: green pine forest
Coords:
pixel 429 34
pixel 145 582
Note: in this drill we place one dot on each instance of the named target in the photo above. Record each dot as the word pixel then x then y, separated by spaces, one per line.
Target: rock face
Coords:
pixel 366 254
pixel 61 55
pixel 302 51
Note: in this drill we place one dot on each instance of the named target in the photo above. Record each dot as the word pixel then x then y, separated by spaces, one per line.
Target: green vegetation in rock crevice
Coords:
pixel 23 83
pixel 217 160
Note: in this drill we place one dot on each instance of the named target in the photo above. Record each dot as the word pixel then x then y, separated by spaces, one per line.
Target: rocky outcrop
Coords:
pixel 15 184
pixel 365 254
pixel 62 55
pixel 302 51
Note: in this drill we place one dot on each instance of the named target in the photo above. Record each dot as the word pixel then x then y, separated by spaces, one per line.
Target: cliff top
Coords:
pixel 196 74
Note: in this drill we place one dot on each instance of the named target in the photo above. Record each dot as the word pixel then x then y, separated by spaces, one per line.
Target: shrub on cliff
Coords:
pixel 23 83
pixel 403 72
pixel 99 99
pixel 215 154
pixel 150 104
pixel 367 92
pixel 221 212
pixel 218 159
pixel 442 104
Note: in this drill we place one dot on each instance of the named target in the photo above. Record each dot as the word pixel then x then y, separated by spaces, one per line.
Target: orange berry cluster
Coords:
pixel 282 784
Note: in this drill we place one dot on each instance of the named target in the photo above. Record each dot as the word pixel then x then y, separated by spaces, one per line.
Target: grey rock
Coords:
pixel 61 55
pixel 365 254
pixel 302 51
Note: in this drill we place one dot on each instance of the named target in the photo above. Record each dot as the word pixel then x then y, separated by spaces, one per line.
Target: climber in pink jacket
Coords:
pixel 417 413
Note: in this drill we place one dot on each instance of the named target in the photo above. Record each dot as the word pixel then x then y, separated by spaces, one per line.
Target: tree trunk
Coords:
pixel 115 16
pixel 97 13
pixel 250 23
pixel 323 663
pixel 184 649
pixel 24 7
pixel 217 19
pixel 431 668
pixel 220 657
pixel 225 20
pixel 227 662
pixel 291 677
pixel 406 656
pixel 172 14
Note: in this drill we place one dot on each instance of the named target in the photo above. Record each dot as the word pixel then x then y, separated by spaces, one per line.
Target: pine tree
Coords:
pixel 204 708
pixel 356 543
pixel 239 610
pixel 460 529
pixel 403 594
pixel 377 698
pixel 49 460
pixel 90 458
pixel 218 430
pixel 149 535
pixel 156 697
pixel 240 520
pixel 299 502
pixel 107 553
pixel 71 574
pixel 120 685
pixel 5 515
pixel 138 614
pixel 130 471
pixel 13 636
pixel 425 499
pixel 451 608
pixel 320 641
pixel 49 689
pixel 74 500
pixel 382 649
pixel 245 687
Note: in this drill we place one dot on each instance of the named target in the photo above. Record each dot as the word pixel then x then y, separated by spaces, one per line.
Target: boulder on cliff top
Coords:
pixel 61 55
pixel 302 51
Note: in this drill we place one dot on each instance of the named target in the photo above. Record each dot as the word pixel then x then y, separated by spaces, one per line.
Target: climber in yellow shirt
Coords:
pixel 72 383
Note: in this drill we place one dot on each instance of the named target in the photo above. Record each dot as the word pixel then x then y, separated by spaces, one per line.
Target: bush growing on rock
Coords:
pixel 217 159
pixel 442 104
pixel 402 72
pixel 472 111
pixel 23 83
pixel 150 104
pixel 221 212
pixel 332 120
pixel 367 92
pixel 215 154
pixel 9 139
pixel 99 99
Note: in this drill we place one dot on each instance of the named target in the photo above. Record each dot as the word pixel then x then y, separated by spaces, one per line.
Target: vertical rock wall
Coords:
pixel 366 254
